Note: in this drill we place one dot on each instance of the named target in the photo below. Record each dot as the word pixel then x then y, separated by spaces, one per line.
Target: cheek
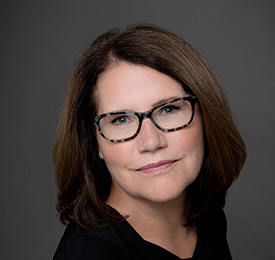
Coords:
pixel 195 142
pixel 191 138
pixel 191 143
pixel 197 148
pixel 116 155
pixel 196 134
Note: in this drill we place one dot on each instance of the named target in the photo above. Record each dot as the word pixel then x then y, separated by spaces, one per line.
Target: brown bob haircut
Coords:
pixel 83 179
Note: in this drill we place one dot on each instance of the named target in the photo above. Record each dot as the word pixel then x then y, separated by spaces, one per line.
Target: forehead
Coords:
pixel 134 87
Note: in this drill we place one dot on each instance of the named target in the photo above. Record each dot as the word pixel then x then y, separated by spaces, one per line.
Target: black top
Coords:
pixel 120 241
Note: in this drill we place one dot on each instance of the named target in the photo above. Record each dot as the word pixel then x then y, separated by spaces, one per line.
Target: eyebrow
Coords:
pixel 164 100
pixel 153 105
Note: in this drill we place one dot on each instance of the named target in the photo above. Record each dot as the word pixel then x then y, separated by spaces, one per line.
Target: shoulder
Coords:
pixel 214 223
pixel 78 243
pixel 212 237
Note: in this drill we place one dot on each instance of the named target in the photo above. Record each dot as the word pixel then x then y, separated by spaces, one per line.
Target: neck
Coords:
pixel 141 210
pixel 151 219
pixel 155 223
pixel 161 224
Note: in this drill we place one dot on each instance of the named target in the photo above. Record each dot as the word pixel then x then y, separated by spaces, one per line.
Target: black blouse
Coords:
pixel 120 241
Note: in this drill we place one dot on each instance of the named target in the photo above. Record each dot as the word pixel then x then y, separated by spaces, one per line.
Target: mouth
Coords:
pixel 156 167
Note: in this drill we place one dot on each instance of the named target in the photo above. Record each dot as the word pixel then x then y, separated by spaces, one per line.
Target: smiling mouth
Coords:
pixel 156 167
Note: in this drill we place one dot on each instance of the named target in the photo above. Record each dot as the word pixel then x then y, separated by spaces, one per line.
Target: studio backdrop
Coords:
pixel 40 41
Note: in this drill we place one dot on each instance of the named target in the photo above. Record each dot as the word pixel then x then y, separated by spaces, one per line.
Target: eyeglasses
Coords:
pixel 169 116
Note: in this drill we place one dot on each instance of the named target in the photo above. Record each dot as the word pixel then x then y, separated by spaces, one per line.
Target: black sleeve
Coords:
pixel 213 233
pixel 68 248
pixel 97 244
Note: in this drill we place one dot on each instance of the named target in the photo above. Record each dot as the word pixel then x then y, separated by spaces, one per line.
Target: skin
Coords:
pixel 151 172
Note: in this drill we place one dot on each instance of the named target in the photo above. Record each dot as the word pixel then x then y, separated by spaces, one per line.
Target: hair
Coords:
pixel 84 181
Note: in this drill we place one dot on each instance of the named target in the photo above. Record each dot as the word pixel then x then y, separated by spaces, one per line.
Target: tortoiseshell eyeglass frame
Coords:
pixel 148 114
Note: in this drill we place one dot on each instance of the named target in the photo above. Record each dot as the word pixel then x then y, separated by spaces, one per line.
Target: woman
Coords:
pixel 145 151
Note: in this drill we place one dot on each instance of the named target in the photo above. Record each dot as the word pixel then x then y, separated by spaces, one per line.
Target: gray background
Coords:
pixel 39 43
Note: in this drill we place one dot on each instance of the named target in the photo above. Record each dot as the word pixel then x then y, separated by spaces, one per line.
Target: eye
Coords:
pixel 169 109
pixel 121 120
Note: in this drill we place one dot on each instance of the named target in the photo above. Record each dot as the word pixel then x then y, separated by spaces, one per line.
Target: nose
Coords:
pixel 150 138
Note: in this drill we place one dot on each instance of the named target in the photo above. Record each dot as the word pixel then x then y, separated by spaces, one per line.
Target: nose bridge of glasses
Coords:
pixel 145 115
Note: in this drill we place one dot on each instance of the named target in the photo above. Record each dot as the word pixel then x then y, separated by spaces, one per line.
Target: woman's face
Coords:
pixel 154 166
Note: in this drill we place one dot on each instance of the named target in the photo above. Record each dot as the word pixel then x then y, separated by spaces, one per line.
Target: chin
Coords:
pixel 163 195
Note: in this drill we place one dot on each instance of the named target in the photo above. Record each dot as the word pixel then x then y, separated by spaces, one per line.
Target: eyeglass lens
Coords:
pixel 167 117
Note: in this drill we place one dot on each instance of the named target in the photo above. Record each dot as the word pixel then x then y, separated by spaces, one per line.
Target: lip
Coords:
pixel 156 167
